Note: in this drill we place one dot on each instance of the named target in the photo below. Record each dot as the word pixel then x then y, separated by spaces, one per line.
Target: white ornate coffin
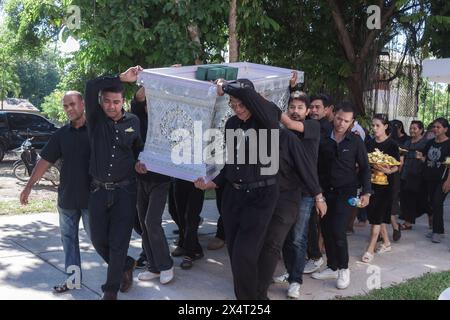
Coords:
pixel 176 100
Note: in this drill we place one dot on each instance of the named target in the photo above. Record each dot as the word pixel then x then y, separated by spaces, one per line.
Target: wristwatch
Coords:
pixel 321 199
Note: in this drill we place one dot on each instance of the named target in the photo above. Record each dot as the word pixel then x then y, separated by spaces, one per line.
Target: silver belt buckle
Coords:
pixel 109 185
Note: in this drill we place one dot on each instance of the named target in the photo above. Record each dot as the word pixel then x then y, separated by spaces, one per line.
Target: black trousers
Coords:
pixel 151 201
pixel 313 250
pixel 284 217
pixel 138 229
pixel 112 214
pixel 220 232
pixel 246 215
pixel 189 203
pixel 334 226
pixel 172 206
pixel 436 198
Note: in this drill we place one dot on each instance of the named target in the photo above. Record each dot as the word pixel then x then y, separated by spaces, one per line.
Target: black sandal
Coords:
pixel 60 288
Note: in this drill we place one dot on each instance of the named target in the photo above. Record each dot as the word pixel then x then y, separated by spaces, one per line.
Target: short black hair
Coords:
pixel 326 99
pixel 345 106
pixel 301 96
pixel 115 89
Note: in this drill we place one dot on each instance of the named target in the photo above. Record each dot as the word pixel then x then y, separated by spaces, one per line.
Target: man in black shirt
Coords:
pixel 250 190
pixel 70 144
pixel 339 154
pixel 321 105
pixel 296 244
pixel 297 174
pixel 115 141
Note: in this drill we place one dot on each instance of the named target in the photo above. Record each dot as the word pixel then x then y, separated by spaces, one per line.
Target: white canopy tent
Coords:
pixel 437 70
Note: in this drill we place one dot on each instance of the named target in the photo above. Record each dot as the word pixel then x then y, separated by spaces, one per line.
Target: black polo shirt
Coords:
pixel 337 165
pixel 115 145
pixel 71 145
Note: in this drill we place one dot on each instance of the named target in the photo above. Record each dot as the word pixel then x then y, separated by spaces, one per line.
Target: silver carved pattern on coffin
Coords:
pixel 174 120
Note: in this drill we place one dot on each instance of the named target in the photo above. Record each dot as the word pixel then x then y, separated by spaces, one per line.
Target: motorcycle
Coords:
pixel 23 167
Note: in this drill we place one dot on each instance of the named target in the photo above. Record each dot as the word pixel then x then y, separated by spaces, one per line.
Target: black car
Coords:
pixel 16 126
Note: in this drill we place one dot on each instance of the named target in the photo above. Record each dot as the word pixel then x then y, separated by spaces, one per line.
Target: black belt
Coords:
pixel 111 185
pixel 254 185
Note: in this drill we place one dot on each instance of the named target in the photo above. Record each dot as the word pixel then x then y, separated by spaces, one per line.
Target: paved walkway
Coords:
pixel 32 261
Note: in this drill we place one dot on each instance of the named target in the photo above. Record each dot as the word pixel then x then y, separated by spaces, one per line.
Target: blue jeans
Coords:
pixel 296 244
pixel 69 220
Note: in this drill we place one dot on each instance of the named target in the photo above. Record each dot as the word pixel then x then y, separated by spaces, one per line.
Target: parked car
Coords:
pixel 16 126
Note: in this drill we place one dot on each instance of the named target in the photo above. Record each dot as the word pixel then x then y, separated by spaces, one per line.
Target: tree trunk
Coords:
pixel 354 84
pixel 357 59
pixel 194 34
pixel 233 43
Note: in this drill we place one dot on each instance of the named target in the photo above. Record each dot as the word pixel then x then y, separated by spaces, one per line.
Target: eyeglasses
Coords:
pixel 236 105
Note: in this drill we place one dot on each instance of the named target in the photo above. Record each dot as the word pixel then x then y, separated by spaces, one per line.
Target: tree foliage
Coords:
pixel 328 39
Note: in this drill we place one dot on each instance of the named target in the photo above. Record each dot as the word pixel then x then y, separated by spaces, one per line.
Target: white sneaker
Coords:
pixel 281 279
pixel 313 265
pixel 325 274
pixel 147 276
pixel 436 237
pixel 343 280
pixel 166 276
pixel 294 290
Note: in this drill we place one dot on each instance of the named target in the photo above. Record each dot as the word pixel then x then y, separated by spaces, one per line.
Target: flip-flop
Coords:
pixel 61 288
pixel 367 257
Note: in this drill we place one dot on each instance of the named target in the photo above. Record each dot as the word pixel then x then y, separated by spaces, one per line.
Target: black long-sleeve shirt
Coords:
pixel 297 170
pixel 115 145
pixel 264 115
pixel 337 165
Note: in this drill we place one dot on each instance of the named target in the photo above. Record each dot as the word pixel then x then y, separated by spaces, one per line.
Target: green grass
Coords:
pixel 426 287
pixel 11 207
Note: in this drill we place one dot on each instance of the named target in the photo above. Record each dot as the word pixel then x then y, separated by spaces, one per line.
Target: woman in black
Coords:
pixel 398 134
pixel 413 191
pixel 379 207
pixel 436 175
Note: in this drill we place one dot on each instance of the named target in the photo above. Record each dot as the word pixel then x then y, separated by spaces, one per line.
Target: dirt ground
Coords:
pixel 10 186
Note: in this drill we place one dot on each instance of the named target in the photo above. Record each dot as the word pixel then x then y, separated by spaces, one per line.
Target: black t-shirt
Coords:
pixel 388 146
pixel 297 170
pixel 402 140
pixel 72 147
pixel 435 154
